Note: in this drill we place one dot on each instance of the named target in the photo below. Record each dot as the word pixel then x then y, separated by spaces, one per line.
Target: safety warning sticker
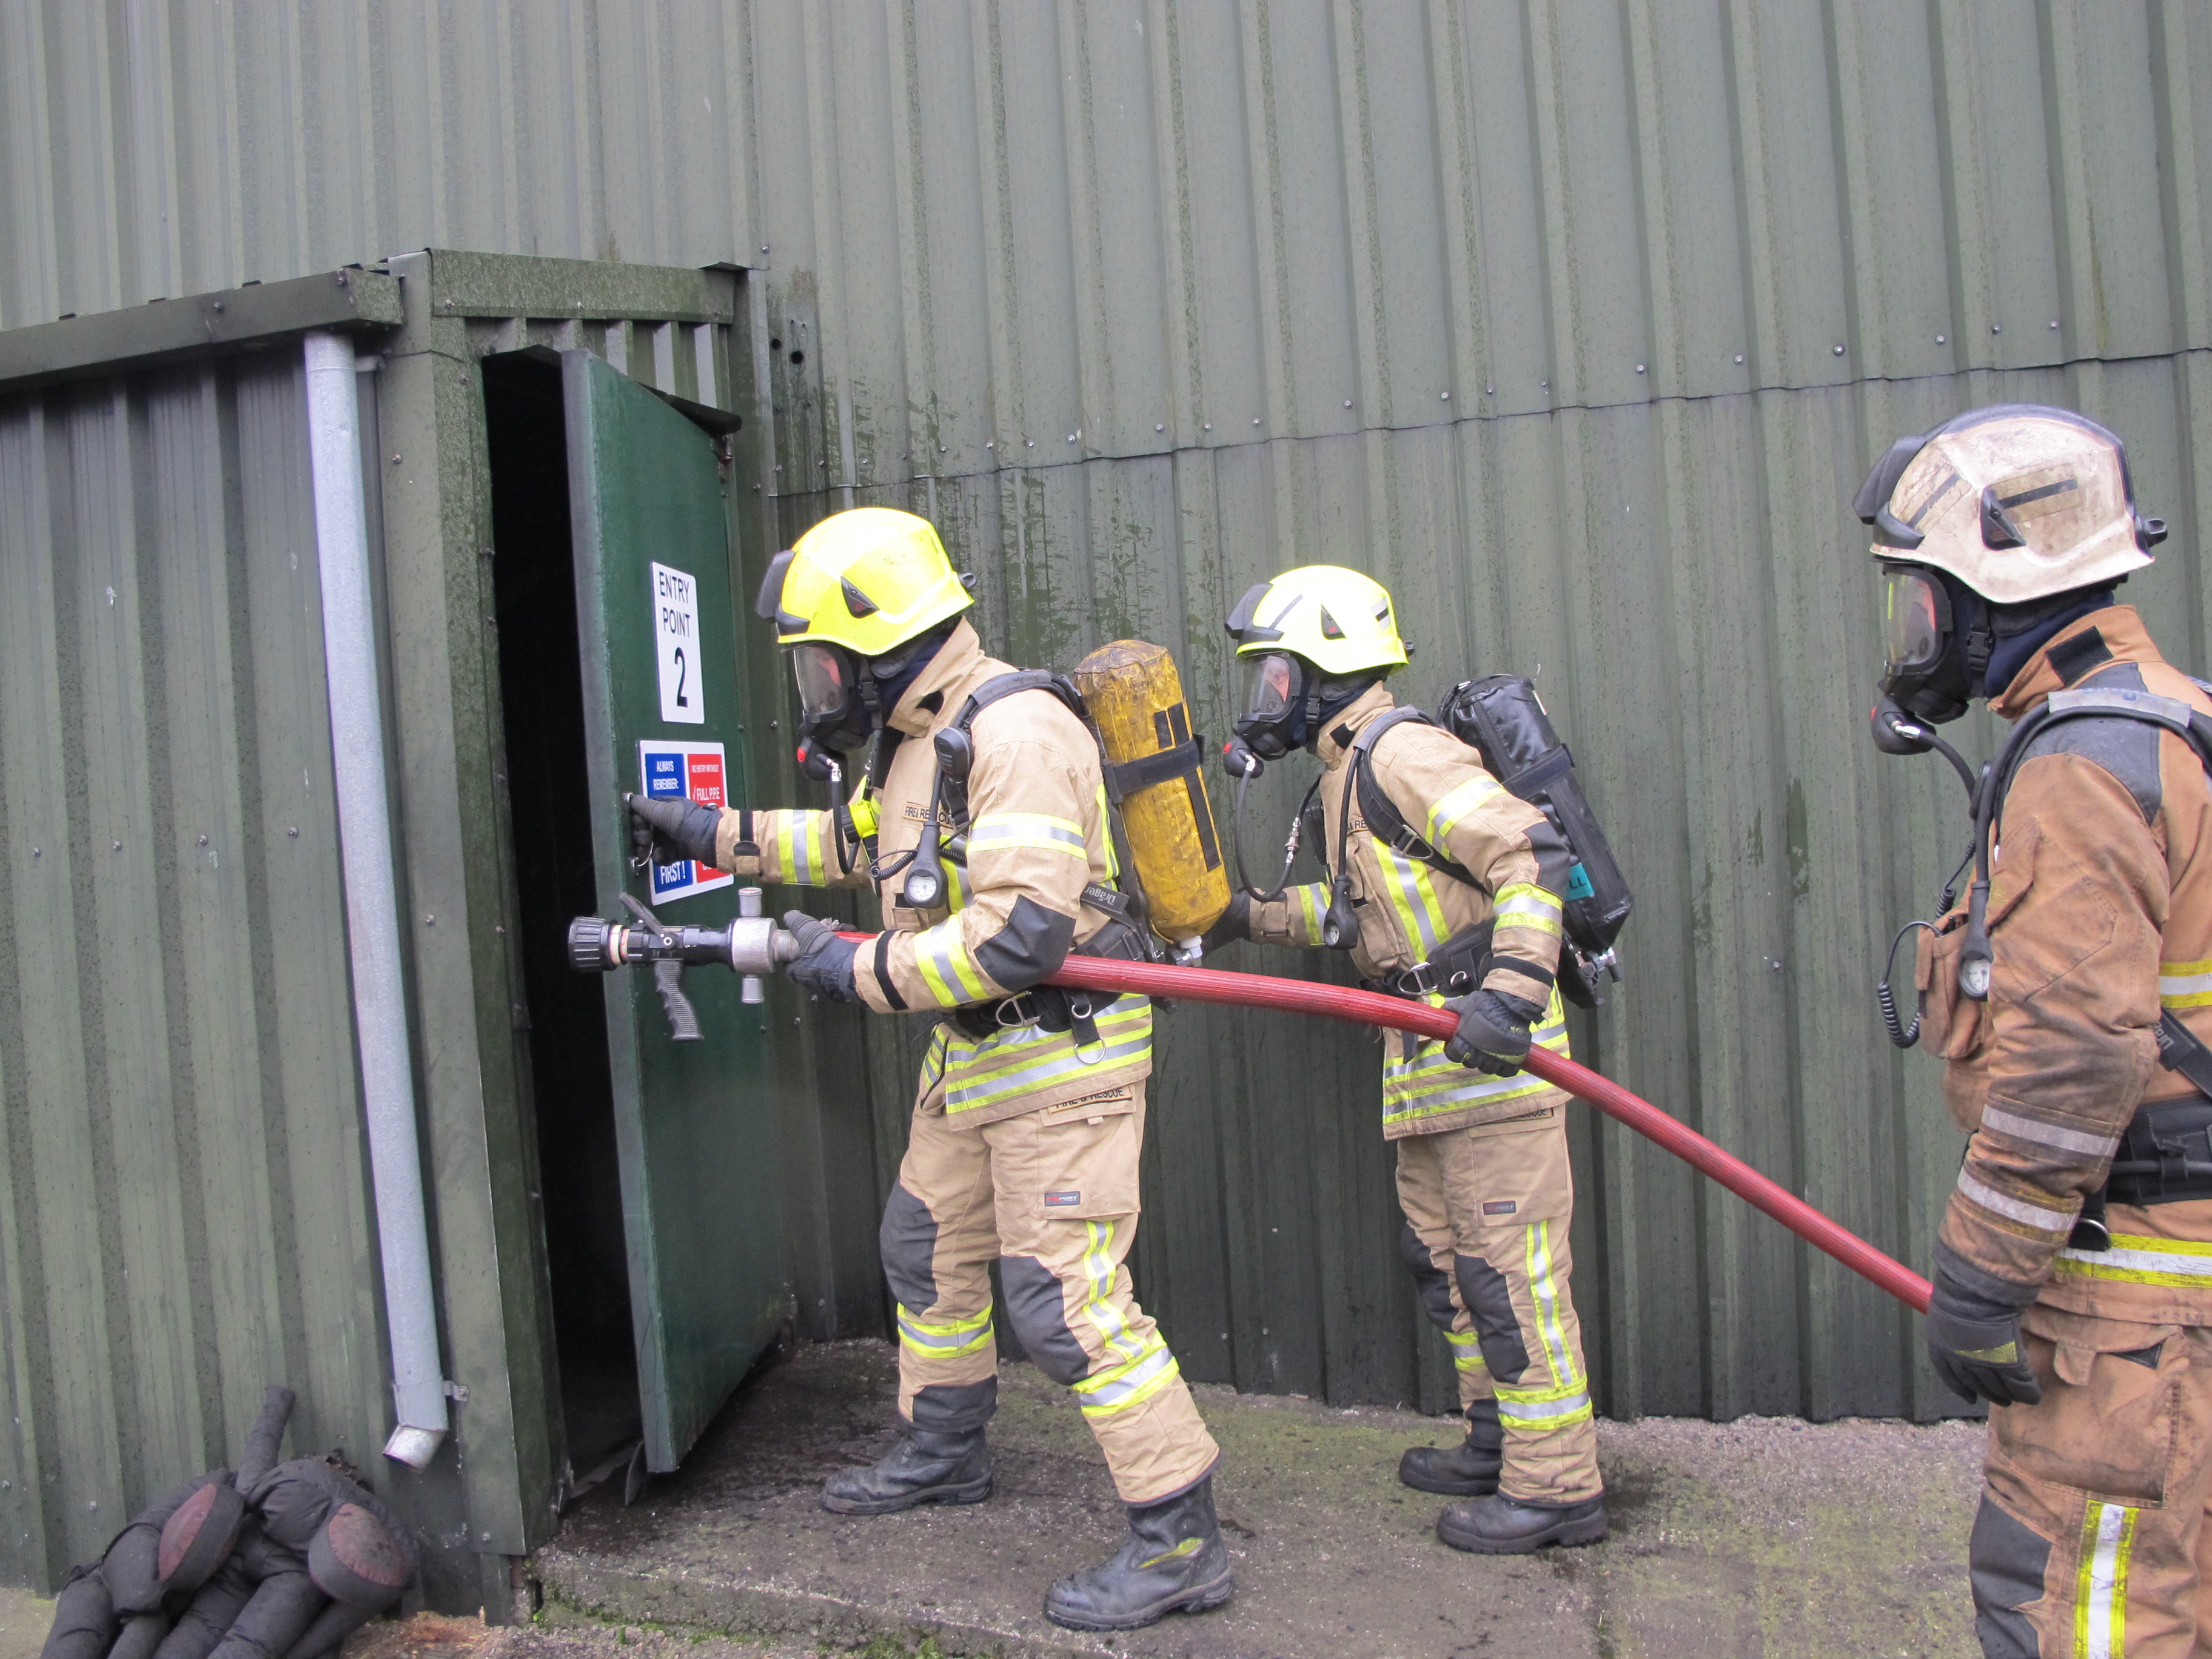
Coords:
pixel 691 768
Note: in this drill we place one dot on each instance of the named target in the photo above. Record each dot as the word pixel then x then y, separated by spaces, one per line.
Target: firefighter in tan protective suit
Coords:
pixel 1462 897
pixel 2073 1267
pixel 1030 1111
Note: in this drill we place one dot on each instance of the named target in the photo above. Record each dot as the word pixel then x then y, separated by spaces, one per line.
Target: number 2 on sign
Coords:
pixel 675 641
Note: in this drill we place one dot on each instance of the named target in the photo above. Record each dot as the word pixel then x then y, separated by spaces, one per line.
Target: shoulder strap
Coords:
pixel 1384 821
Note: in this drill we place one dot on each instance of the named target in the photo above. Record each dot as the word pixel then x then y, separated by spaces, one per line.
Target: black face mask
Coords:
pixel 845 698
pixel 1278 707
pixel 1937 638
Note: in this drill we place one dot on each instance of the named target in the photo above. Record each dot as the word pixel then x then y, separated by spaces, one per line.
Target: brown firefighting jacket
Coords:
pixel 2099 916
pixel 1406 908
pixel 1037 834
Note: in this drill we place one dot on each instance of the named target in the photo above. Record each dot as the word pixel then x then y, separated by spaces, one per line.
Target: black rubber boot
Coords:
pixel 1173 1560
pixel 1466 1470
pixel 1498 1525
pixel 927 1465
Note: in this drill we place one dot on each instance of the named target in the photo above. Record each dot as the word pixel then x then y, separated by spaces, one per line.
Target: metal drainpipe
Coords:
pixel 418 1382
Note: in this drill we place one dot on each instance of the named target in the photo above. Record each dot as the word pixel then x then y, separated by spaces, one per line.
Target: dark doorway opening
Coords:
pixel 542 696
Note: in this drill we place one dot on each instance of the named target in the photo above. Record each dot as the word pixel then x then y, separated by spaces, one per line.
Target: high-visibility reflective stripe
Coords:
pixel 1452 807
pixel 794 849
pixel 1312 903
pixel 2045 1135
pixel 1407 884
pixel 1099 1271
pixel 1524 904
pixel 1545 1289
pixel 1001 832
pixel 948 1341
pixel 1466 1350
pixel 1552 1408
pixel 2177 1263
pixel 1028 1059
pixel 957 890
pixel 1106 835
pixel 2185 984
pixel 2037 1216
pixel 941 954
pixel 1425 1084
pixel 1130 1384
pixel 932 1059
pixel 2100 1583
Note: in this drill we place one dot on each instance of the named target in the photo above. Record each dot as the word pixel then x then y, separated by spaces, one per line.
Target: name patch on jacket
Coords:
pixel 1061 1201
pixel 1500 1206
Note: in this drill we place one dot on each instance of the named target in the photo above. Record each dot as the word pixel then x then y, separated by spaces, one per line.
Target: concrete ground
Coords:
pixel 1765 1537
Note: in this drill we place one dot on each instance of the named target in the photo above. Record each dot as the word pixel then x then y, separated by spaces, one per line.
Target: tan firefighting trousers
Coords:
pixel 1486 1214
pixel 2091 1539
pixel 1052 1195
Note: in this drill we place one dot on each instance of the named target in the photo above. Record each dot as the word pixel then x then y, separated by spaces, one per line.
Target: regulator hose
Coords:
pixel 1372 1008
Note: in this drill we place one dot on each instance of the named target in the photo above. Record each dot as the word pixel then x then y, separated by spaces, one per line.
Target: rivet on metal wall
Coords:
pixel 1639 369
pixel 1209 426
pixel 431 921
pixel 203 840
pixel 1255 420
pixel 1739 357
pixel 1071 437
pixel 1840 351
pixel 116 847
pixel 1997 328
pixel 1159 426
pixel 1939 339
pixel 1347 402
pixel 2054 322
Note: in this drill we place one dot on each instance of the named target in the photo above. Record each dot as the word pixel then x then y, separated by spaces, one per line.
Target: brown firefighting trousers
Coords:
pixel 1486 1214
pixel 2091 1539
pixel 1052 1195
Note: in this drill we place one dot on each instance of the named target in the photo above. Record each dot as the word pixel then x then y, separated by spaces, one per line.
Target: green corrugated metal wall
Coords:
pixel 1574 319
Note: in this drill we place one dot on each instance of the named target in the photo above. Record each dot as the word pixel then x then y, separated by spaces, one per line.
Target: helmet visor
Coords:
pixel 824 677
pixel 1274 688
pixel 1916 618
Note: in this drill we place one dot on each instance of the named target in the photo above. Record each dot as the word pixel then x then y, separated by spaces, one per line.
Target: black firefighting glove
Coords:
pixel 1236 924
pixel 1973 1335
pixel 1493 1031
pixel 667 828
pixel 824 963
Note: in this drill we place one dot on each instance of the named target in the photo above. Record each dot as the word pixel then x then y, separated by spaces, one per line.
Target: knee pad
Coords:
pixel 2005 1564
pixel 1037 1310
pixel 907 1239
pixel 1428 1278
pixel 1490 1300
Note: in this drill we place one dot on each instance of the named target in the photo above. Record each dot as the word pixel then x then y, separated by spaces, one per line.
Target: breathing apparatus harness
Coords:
pixel 2153 1163
pixel 1503 720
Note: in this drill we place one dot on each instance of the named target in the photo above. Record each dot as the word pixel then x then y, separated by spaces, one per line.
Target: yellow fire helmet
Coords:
pixel 869 580
pixel 2018 501
pixel 1337 619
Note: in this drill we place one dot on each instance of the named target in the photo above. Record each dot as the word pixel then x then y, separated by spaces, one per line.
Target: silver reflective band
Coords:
pixel 2045 1134
pixel 2029 1215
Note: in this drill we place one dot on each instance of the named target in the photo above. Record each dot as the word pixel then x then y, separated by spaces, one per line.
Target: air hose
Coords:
pixel 1372 1008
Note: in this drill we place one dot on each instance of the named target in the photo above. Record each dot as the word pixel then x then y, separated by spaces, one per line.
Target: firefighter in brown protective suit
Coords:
pixel 1462 894
pixel 2073 1267
pixel 982 825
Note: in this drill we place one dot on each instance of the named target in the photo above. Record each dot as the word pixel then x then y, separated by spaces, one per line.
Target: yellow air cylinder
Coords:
pixel 1135 698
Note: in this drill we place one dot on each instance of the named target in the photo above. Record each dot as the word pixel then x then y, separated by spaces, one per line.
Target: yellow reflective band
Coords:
pixel 1100 1270
pixel 1405 883
pixel 1545 1289
pixel 948 1341
pixel 1105 824
pixel 1467 1350
pixel 1188 1547
pixel 957 890
pixel 1453 806
pixel 1312 901
pixel 2100 1582
pixel 1553 1408
pixel 1130 1384
pixel 792 850
pixel 1524 904
pixel 1427 1083
pixel 1026 1058
pixel 2176 1263
pixel 1003 832
pixel 933 1061
pixel 941 954
pixel 2185 984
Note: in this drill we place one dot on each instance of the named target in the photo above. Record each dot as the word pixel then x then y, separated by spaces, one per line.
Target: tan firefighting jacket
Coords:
pixel 2099 916
pixel 1037 835
pixel 1406 908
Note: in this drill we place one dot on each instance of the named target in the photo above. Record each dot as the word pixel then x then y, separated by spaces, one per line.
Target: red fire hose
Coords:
pixel 1371 1008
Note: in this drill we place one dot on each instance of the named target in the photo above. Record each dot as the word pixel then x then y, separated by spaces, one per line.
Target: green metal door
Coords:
pixel 693 1122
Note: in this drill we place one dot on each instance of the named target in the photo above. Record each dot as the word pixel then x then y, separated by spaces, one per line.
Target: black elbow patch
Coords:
pixel 1033 943
pixel 1555 860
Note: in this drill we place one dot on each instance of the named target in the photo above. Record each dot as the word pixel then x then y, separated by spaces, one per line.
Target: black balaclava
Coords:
pixel 888 691
pixel 1336 696
pixel 2014 651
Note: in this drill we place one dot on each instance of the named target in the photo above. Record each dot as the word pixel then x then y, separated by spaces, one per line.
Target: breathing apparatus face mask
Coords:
pixel 1274 718
pixel 832 713
pixel 1927 645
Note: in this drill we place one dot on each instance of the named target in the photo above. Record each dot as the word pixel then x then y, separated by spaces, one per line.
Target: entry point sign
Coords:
pixel 693 769
pixel 676 644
